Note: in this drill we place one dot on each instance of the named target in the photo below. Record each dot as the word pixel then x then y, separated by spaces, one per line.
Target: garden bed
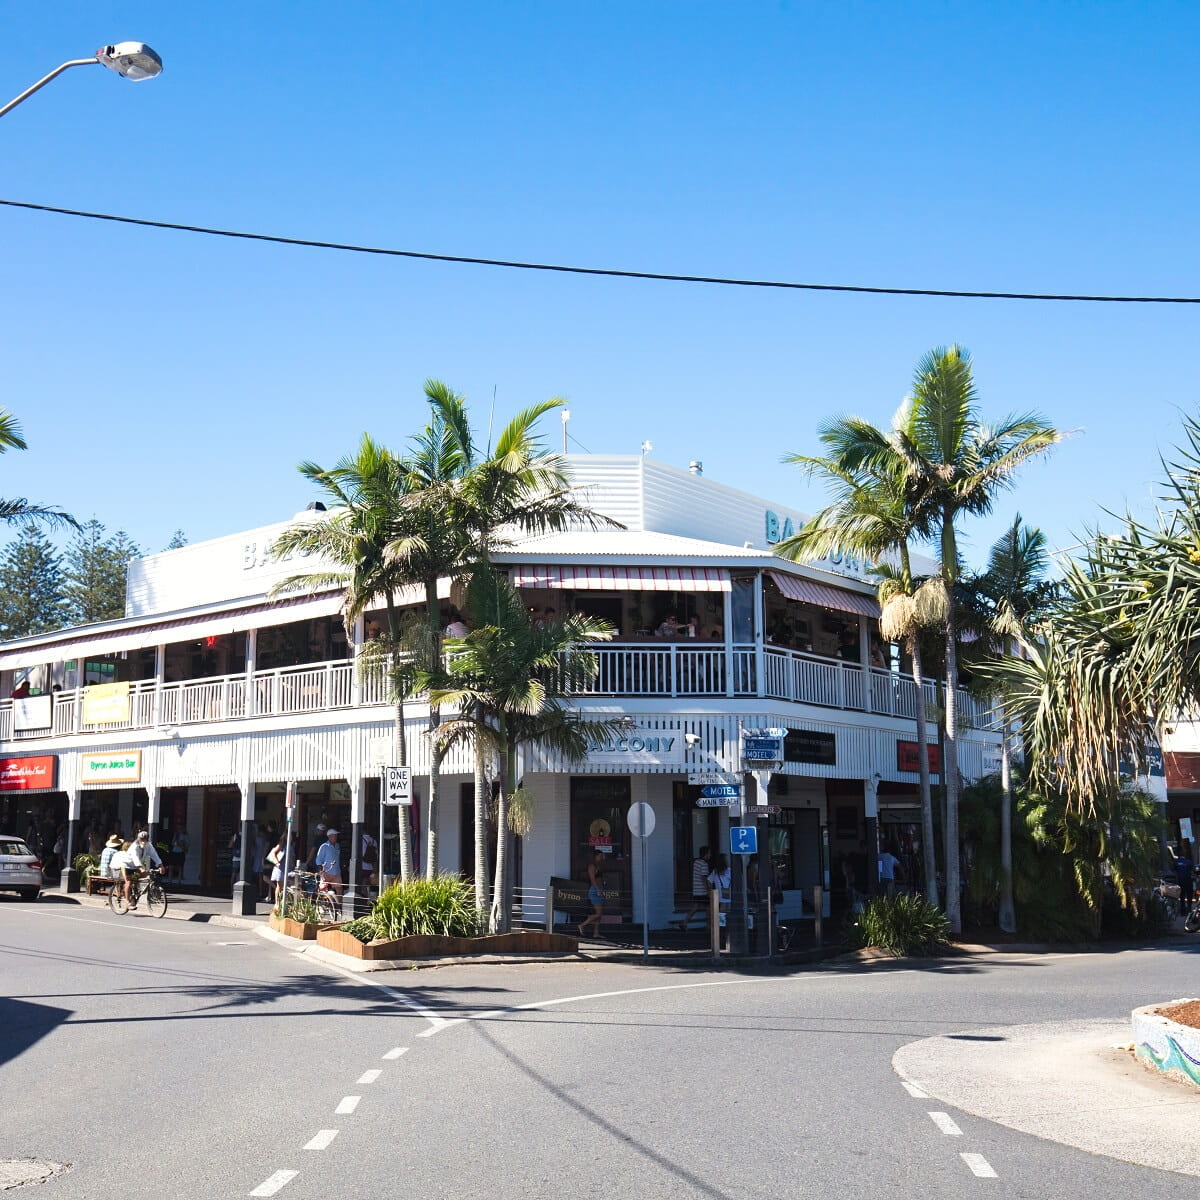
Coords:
pixel 305 931
pixel 1166 1038
pixel 420 946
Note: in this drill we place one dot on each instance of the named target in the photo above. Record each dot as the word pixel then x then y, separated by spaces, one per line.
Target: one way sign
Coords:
pixel 397 785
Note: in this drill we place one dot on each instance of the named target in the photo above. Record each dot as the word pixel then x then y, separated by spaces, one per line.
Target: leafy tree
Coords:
pixel 19 510
pixel 94 573
pixel 179 539
pixel 31 586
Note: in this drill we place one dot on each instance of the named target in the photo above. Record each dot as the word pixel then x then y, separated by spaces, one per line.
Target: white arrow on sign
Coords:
pixel 397 786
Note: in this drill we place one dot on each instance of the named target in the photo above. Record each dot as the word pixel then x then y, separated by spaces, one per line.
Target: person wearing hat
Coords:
pixel 106 856
pixel 141 856
pixel 329 863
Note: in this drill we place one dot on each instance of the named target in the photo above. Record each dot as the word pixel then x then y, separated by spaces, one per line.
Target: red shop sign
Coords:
pixel 20 774
pixel 907 758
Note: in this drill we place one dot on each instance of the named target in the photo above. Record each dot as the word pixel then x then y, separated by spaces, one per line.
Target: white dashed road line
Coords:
pixel 321 1140
pixel 913 1090
pixel 945 1123
pixel 979 1166
pixel 370 1076
pixel 269 1187
pixel 346 1105
pixel 395 1053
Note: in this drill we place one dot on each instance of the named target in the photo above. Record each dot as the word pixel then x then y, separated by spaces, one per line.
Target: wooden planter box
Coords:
pixel 303 930
pixel 532 942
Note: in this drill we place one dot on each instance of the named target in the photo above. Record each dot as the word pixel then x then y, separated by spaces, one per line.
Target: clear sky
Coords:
pixel 165 379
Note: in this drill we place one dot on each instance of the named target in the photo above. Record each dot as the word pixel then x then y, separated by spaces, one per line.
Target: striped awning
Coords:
pixel 584 577
pixel 808 591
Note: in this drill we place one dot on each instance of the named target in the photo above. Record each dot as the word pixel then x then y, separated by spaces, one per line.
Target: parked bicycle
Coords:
pixel 147 886
pixel 1167 897
pixel 310 885
pixel 1191 919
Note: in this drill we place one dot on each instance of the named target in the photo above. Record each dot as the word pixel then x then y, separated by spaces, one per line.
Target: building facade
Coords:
pixel 195 710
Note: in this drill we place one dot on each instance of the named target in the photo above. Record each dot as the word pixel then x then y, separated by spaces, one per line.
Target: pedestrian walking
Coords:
pixel 595 894
pixel 700 869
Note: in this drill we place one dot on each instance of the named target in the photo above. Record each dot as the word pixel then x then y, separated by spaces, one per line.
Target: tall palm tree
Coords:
pixel 870 517
pixel 509 677
pixel 366 494
pixel 465 502
pixel 954 464
pixel 1011 595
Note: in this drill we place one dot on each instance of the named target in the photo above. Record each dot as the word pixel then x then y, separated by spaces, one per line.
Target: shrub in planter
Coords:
pixel 906 925
pixel 443 906
pixel 362 928
pixel 302 908
pixel 87 865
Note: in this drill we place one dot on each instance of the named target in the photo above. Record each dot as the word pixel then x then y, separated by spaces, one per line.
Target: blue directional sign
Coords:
pixel 743 839
pixel 763 745
pixel 728 791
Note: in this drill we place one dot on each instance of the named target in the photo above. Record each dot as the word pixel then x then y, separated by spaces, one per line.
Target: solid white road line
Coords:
pixel 346 1105
pixel 979 1166
pixel 370 1076
pixel 269 1187
pixel 322 1139
pixel 945 1124
pixel 420 1009
pixel 399 1050
pixel 112 921
pixel 913 1090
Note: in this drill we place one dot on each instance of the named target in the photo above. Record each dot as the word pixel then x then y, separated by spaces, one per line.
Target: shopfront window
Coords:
pixel 742 610
pixel 322 639
pixel 205 658
pixel 694 828
pixel 794 844
pixel 599 805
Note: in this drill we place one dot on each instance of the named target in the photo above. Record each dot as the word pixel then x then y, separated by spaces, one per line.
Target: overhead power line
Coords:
pixel 609 272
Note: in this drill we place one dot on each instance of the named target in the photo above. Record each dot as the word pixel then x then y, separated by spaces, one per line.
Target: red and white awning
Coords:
pixel 584 577
pixel 808 591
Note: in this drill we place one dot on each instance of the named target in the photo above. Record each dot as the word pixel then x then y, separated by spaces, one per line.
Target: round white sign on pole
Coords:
pixel 640 819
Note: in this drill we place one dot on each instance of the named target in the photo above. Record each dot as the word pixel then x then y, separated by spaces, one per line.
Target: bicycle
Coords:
pixel 148 886
pixel 315 888
pixel 1167 895
pixel 1191 920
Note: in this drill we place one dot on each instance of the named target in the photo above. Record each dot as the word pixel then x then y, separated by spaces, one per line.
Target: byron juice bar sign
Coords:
pixel 24 774
pixel 123 767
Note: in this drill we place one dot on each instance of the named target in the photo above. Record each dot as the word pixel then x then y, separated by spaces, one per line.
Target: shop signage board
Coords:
pixel 32 712
pixel 1185 828
pixel 743 839
pixel 25 774
pixel 106 703
pixel 125 766
pixel 908 757
pixel 717 802
pixel 397 786
pixel 637 747
pixel 763 810
pixel 811 746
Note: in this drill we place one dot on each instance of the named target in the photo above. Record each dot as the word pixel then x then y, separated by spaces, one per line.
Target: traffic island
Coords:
pixel 1166 1038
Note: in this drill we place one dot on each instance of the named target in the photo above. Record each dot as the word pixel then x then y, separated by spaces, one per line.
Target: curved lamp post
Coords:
pixel 133 60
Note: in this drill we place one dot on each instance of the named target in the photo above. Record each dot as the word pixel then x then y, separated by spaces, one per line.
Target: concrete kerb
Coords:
pixel 173 913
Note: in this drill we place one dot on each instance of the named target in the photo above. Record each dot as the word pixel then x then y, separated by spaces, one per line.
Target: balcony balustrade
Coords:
pixel 667 671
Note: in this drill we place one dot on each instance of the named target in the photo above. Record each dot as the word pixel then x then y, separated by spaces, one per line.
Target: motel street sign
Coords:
pixel 762 745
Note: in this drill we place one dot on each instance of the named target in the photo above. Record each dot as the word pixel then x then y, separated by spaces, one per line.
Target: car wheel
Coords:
pixel 30 893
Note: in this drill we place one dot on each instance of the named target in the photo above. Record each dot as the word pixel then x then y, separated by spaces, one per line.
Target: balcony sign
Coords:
pixel 908 758
pixel 32 712
pixel 638 747
pixel 123 767
pixel 26 774
pixel 106 703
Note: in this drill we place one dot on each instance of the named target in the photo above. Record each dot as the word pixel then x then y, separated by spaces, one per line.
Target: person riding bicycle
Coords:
pixel 140 856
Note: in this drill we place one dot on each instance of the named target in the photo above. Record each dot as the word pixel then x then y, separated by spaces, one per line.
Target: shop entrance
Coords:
pixel 599 805
pixel 222 819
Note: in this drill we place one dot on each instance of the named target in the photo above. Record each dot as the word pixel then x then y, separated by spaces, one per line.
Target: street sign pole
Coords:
pixel 281 895
pixel 640 820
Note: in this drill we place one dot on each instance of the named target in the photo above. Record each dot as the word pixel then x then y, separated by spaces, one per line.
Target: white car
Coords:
pixel 20 870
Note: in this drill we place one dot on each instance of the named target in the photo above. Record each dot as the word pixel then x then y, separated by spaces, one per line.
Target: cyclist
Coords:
pixel 140 856
pixel 329 863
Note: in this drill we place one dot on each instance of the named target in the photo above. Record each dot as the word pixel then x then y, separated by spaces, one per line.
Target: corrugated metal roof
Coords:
pixel 627 544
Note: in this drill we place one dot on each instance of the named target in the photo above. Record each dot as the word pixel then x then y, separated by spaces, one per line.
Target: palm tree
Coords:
pixel 19 511
pixel 367 513
pixel 509 678
pixel 955 464
pixel 462 501
pixel 870 518
pixel 1011 595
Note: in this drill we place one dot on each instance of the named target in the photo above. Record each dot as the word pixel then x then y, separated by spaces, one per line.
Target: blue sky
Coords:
pixel 168 380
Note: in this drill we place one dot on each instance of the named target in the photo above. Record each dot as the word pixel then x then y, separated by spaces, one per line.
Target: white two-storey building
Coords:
pixel 196 709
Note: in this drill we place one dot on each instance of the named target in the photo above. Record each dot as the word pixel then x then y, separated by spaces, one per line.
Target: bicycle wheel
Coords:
pixel 116 899
pixel 1192 921
pixel 156 900
pixel 327 908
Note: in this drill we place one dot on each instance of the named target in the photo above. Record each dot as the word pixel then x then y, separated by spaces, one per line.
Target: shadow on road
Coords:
pixel 23 1023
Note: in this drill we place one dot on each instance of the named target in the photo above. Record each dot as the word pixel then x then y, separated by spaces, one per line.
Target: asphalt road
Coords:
pixel 171 1059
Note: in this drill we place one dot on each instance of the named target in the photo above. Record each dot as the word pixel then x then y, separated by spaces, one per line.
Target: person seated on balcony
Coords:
pixel 878 659
pixel 848 647
pixel 693 627
pixel 669 626
pixel 457 627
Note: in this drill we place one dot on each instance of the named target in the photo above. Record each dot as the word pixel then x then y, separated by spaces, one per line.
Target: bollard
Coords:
pixel 714 920
pixel 819 913
pixel 770 931
pixel 550 909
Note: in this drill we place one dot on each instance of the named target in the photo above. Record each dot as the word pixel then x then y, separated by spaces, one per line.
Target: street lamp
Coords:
pixel 133 60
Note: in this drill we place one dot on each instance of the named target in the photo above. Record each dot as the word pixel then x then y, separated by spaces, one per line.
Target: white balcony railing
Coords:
pixel 635 669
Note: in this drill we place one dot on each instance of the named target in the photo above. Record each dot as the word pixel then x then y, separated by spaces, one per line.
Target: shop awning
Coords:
pixel 584 577
pixel 808 591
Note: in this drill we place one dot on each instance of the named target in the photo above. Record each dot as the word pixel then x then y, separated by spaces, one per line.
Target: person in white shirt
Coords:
pixel 140 857
pixel 888 863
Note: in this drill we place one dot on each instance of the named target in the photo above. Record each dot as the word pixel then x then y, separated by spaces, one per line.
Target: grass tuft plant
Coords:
pixel 907 925
pixel 442 906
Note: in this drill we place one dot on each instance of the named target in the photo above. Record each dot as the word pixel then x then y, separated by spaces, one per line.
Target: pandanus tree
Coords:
pixel 464 502
pixel 366 495
pixel 869 517
pixel 510 678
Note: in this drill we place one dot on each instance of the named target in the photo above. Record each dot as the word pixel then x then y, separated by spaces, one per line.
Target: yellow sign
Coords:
pixel 105 703
pixel 122 767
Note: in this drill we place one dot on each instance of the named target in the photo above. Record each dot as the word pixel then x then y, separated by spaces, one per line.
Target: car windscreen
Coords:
pixel 11 847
